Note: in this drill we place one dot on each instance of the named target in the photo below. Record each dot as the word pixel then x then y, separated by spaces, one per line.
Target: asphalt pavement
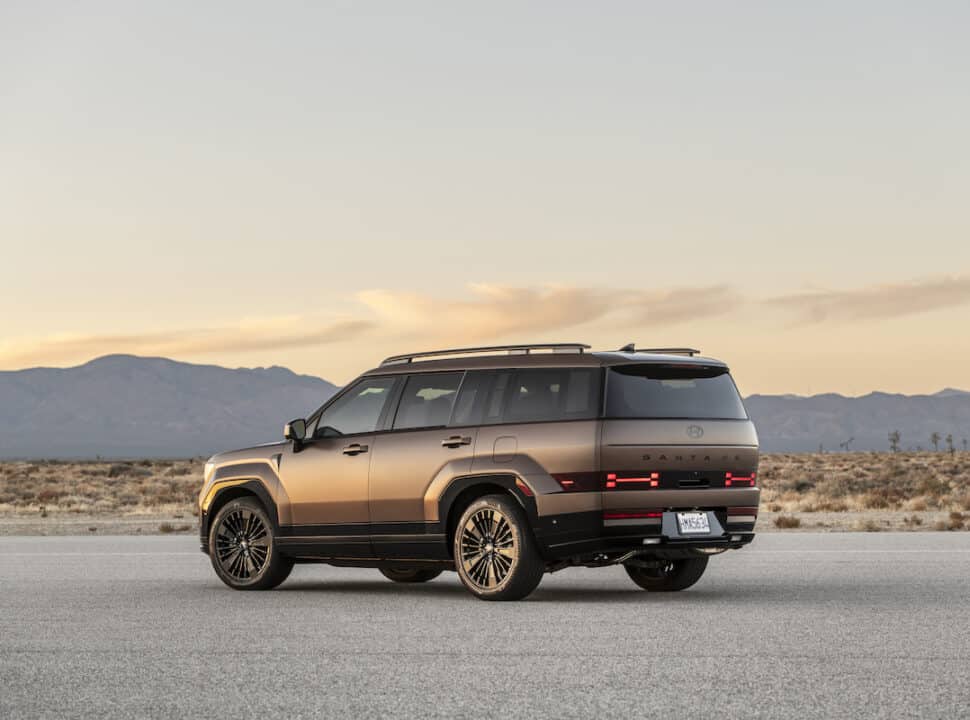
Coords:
pixel 794 626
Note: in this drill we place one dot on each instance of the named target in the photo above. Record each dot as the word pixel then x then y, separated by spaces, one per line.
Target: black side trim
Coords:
pixel 387 540
pixel 362 529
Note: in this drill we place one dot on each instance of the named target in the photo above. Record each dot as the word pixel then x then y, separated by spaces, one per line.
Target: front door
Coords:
pixel 326 479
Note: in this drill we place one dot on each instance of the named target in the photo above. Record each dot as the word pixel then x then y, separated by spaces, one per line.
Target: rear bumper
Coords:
pixel 574 536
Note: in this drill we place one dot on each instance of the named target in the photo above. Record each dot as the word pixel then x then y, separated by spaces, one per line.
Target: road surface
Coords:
pixel 794 626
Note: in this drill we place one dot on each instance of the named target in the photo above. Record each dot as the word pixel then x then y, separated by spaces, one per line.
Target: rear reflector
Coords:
pixel 526 490
pixel 580 481
pixel 645 515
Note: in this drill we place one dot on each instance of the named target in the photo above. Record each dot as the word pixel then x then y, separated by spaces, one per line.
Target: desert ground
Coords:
pixel 853 491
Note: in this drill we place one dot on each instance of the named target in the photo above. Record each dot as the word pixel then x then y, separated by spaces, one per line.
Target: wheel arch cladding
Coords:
pixel 462 492
pixel 250 488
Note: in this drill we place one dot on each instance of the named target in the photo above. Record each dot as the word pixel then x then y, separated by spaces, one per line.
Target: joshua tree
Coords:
pixel 949 443
pixel 935 441
pixel 964 444
pixel 845 445
pixel 894 438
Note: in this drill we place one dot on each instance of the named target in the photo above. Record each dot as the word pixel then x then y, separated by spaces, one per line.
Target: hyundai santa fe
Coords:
pixel 502 464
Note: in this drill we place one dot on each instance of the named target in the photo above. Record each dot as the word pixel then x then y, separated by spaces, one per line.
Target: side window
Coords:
pixel 427 400
pixel 551 394
pixel 356 411
pixel 471 398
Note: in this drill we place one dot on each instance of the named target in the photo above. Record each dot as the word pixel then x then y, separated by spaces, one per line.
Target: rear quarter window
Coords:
pixel 543 395
pixel 658 392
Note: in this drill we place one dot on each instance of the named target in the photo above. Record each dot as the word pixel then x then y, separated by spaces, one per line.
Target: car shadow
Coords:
pixel 368 587
pixel 698 595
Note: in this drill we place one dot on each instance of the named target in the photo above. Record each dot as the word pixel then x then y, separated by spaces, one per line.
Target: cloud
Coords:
pixel 495 311
pixel 246 336
pixel 876 302
pixel 669 307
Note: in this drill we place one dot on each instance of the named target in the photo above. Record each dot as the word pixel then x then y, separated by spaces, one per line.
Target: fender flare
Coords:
pixel 507 481
pixel 254 485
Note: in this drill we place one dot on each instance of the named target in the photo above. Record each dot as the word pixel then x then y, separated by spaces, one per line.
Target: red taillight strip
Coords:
pixel 740 480
pixel 653 480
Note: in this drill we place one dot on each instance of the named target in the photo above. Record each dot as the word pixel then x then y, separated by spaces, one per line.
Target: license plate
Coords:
pixel 693 523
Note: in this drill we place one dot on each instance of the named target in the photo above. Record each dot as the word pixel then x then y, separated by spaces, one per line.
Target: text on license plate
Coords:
pixel 693 523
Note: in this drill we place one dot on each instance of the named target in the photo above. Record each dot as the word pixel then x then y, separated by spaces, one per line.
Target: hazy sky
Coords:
pixel 318 185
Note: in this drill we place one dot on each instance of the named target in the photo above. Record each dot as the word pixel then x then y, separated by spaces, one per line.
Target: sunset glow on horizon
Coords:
pixel 321 186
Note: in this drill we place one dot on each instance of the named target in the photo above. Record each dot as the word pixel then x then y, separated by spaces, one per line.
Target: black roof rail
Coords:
pixel 631 348
pixel 510 349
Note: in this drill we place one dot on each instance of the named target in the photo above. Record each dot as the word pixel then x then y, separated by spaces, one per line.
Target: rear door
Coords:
pixel 539 422
pixel 418 445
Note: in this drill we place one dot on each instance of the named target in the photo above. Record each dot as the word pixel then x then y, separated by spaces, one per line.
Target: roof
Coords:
pixel 486 360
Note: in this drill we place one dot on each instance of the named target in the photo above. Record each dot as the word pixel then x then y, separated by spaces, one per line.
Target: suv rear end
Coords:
pixel 676 470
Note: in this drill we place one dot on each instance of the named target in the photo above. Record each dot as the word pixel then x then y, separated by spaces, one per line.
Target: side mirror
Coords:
pixel 295 430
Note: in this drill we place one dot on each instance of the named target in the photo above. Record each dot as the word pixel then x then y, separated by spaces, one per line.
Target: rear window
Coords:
pixel 657 391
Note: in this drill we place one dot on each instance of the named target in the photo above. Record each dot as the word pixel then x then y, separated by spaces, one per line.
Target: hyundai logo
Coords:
pixel 695 431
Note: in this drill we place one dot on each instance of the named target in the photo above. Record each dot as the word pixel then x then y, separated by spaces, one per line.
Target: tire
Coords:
pixel 673 575
pixel 410 575
pixel 243 548
pixel 495 553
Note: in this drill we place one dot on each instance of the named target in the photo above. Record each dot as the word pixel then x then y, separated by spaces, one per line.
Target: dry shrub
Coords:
pixel 787 521
pixel 912 520
pixel 166 528
pixel 833 506
pixel 49 495
pixel 118 469
pixel 870 525
pixel 957 521
pixel 882 498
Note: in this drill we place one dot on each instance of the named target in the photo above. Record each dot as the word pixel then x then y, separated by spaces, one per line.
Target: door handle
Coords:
pixel 456 440
pixel 355 449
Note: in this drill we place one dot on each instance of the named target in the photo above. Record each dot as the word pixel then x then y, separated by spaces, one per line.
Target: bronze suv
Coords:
pixel 500 463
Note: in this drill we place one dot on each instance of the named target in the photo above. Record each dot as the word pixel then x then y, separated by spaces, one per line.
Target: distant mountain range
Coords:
pixel 127 406
pixel 790 423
